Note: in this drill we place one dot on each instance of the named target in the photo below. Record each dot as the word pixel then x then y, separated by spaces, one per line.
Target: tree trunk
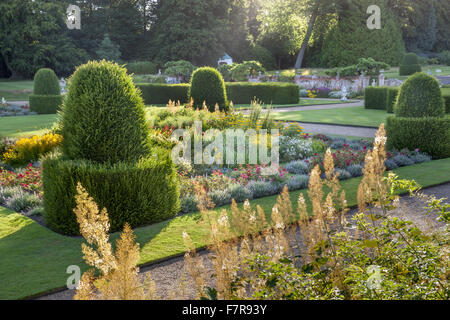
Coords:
pixel 312 22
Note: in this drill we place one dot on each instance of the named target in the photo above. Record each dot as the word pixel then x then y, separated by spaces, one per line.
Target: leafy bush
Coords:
pixel 28 150
pixel 225 71
pixel 9 192
pixel 390 164
pixel 207 86
pixel 369 66
pixel 444 57
pixel 392 94
pixel 298 182
pixel 103 117
pixel 402 160
pixel 343 174
pixel 45 104
pixel 268 93
pixel 220 197
pixel 23 202
pixel 430 135
pixel 138 193
pixel 46 83
pixel 263 55
pixel 410 65
pixel 155 93
pixel 240 193
pixel 420 96
pixel 297 167
pixel 375 98
pixel 355 170
pixel 262 188
pixel 141 67
pixel 241 72
pixel 294 148
pixel 179 68
pixel 188 203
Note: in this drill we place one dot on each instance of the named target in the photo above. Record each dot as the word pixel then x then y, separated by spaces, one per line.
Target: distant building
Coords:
pixel 226 59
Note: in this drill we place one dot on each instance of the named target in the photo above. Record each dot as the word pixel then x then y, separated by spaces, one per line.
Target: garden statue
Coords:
pixel 429 72
pixel 3 101
pixel 344 93
pixel 374 83
pixel 62 84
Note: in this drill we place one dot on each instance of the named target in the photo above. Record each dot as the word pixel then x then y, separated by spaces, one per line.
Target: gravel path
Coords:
pixel 165 274
pixel 339 130
pixel 358 103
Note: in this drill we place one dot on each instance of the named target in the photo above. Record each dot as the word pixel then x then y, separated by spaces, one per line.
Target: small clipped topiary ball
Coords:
pixel 420 96
pixel 410 58
pixel 46 83
pixel 103 117
pixel 207 85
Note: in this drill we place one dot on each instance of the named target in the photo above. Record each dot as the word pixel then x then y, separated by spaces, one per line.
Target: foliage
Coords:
pixel 263 55
pixel 410 65
pixel 444 57
pixel 46 83
pixel 350 39
pixel 420 96
pixel 108 50
pixel 392 94
pixel 431 135
pixel 207 86
pixel 141 67
pixel 179 68
pixel 241 72
pixel 225 71
pixel 156 93
pixel 28 179
pixel 28 150
pixel 139 193
pixel 45 104
pixel 376 98
pixel 447 103
pixel 369 66
pixel 268 93
pixel 103 117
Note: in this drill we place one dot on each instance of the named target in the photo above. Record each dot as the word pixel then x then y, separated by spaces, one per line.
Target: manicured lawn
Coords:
pixel 393 72
pixel 16 90
pixel 34 259
pixel 26 125
pixel 357 116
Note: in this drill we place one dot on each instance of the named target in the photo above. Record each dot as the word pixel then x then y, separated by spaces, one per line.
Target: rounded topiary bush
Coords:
pixel 410 65
pixel 46 98
pixel 46 83
pixel 429 134
pixel 103 117
pixel 420 96
pixel 207 86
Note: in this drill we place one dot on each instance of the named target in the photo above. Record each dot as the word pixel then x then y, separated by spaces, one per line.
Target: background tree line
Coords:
pixel 278 33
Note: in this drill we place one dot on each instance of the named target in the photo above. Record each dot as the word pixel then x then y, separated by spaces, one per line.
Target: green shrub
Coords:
pixel 138 193
pixel 420 96
pixel 444 57
pixel 447 103
pixel 263 55
pixel 268 93
pixel 429 135
pixel 375 98
pixel 45 104
pixel 155 93
pixel 392 94
pixel 207 86
pixel 241 72
pixel 410 65
pixel 103 117
pixel 225 71
pixel 141 67
pixel 46 83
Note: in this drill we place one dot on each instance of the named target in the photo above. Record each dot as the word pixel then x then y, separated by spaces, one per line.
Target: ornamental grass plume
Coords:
pixel 118 278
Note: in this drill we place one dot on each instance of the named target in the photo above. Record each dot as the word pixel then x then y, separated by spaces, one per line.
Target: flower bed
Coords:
pixel 9 110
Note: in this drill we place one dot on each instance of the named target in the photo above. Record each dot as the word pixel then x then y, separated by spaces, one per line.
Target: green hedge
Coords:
pixel 238 92
pixel 45 104
pixel 139 194
pixel 375 98
pixel 141 67
pixel 447 104
pixel 392 94
pixel 430 135
pixel 274 93
pixel 159 93
pixel 46 83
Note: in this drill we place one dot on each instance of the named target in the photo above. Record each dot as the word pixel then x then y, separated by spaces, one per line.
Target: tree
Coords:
pixel 34 35
pixel 108 50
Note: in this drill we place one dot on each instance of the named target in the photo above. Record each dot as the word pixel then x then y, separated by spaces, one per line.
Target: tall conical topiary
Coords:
pixel 103 117
pixel 207 85
pixel 420 96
